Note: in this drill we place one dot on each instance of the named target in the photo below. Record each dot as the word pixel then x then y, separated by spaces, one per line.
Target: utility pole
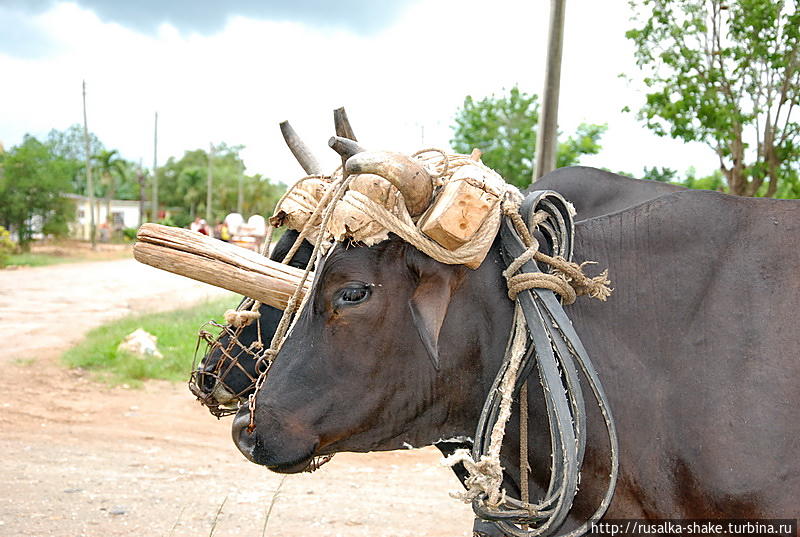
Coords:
pixel 89 182
pixel 154 206
pixel 240 199
pixel 209 185
pixel 547 137
pixel 140 180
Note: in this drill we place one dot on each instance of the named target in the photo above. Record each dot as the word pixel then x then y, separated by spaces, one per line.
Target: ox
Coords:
pixel 593 193
pixel 696 348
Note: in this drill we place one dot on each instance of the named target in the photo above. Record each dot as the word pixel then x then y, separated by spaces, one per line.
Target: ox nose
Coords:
pixel 283 445
pixel 244 439
pixel 205 378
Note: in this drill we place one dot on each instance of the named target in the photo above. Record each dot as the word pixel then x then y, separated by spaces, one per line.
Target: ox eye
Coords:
pixel 351 295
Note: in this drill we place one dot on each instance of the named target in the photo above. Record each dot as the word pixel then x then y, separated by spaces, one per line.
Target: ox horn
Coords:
pixel 342 124
pixel 300 151
pixel 346 147
pixel 218 263
pixel 410 178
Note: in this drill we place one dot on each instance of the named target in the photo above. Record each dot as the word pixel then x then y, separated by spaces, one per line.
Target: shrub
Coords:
pixel 7 246
pixel 129 233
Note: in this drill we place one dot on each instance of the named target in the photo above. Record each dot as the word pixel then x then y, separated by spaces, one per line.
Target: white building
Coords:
pixel 124 214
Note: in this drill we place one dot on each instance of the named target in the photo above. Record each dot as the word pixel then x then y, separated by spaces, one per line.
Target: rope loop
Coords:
pixel 241 318
pixel 567 278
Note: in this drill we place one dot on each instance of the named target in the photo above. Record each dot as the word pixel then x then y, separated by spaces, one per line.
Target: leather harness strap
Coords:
pixel 556 351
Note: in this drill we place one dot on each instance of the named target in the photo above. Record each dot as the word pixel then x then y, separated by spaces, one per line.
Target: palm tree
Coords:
pixel 192 187
pixel 109 164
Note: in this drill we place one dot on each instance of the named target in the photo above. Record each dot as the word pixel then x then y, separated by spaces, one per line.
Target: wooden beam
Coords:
pixel 218 263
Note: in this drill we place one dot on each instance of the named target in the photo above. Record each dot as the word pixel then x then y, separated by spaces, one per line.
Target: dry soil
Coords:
pixel 83 459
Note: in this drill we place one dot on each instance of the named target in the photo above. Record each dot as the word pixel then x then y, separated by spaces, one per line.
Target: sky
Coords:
pixel 232 71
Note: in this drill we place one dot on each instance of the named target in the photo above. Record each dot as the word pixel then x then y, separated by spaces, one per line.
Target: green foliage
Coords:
pixel 7 246
pixel 114 177
pixel 129 233
pixel 715 181
pixel 35 175
pixel 182 185
pixel 111 170
pixel 725 73
pixel 68 145
pixel 504 129
pixel 175 330
pixel 585 141
pixel 664 175
pixel 32 183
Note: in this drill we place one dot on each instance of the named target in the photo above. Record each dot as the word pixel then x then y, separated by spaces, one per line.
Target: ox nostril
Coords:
pixel 205 379
pixel 244 440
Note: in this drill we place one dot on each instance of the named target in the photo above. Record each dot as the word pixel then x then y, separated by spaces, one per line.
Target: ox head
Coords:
pixel 392 349
pixel 226 374
pixel 356 372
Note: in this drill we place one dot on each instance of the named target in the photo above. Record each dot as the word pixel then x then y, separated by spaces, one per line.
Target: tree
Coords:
pixel 32 183
pixel 68 145
pixel 112 170
pixel 183 185
pixel 504 129
pixel 725 73
pixel 663 175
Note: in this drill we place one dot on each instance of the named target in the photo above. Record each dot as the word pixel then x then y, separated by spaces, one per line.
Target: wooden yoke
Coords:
pixel 218 263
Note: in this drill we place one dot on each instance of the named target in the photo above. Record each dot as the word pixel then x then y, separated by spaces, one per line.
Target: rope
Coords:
pixel 524 468
pixel 406 230
pixel 310 226
pixel 486 475
pixel 241 318
pixel 567 279
pixel 292 305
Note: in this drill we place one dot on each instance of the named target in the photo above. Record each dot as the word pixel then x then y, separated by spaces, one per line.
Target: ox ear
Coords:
pixel 428 308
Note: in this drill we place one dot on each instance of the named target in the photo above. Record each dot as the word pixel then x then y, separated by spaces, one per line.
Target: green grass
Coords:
pixel 30 259
pixel 177 337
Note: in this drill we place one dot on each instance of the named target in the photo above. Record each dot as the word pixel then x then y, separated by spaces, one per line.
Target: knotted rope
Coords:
pixel 241 318
pixel 568 281
pixel 567 278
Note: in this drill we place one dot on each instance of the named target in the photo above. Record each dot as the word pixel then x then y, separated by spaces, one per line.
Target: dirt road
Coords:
pixel 46 307
pixel 83 459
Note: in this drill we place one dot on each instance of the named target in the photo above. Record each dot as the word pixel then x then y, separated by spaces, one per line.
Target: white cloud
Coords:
pixel 238 84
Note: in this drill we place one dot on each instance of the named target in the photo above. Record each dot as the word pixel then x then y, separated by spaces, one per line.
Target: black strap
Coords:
pixel 557 352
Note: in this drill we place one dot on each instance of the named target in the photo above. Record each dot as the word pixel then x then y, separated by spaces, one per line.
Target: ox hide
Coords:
pixel 696 348
pixel 698 351
pixel 596 192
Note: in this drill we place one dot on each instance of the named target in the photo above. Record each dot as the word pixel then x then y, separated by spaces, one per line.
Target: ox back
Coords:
pixel 698 351
pixel 596 192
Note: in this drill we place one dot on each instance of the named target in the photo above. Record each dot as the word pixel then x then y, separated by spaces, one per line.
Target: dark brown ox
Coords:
pixel 697 348
pixel 593 192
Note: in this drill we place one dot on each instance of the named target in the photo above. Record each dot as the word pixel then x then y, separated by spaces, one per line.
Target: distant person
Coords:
pixel 224 232
pixel 197 225
pixel 105 232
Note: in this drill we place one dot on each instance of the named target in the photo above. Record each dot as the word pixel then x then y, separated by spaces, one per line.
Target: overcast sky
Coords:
pixel 231 71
